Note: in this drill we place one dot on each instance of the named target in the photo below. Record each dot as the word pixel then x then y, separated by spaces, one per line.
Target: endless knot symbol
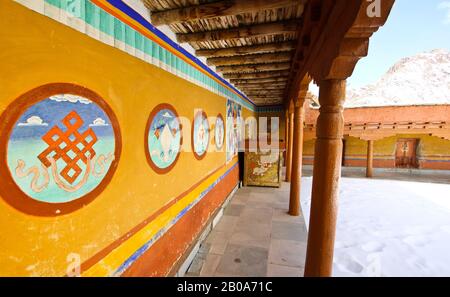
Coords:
pixel 71 146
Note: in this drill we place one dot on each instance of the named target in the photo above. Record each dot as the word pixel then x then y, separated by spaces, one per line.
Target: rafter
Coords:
pixel 265 93
pixel 245 50
pixel 261 87
pixel 241 32
pixel 217 9
pixel 254 68
pixel 268 74
pixel 280 98
pixel 259 80
pixel 250 59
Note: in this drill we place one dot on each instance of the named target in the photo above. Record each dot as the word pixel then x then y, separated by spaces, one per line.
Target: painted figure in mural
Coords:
pixel 164 139
pixel 233 129
pixel 200 134
pixel 61 148
pixel 219 130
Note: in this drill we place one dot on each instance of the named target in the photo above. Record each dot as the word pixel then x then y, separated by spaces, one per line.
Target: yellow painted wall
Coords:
pixel 430 147
pixel 308 148
pixel 35 50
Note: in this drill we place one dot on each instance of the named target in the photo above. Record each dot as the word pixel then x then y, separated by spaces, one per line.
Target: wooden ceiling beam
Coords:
pixel 339 41
pixel 268 74
pixel 250 59
pixel 260 86
pixel 217 9
pixel 266 98
pixel 254 68
pixel 245 50
pixel 275 92
pixel 259 80
pixel 266 29
pixel 264 93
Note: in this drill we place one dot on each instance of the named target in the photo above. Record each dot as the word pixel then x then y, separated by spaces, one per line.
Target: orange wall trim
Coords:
pixel 164 254
pixel 170 243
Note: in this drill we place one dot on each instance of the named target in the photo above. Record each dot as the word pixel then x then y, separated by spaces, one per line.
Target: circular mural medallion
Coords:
pixel 219 132
pixel 60 149
pixel 163 138
pixel 200 135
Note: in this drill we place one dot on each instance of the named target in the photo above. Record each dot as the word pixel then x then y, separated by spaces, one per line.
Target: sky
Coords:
pixel 413 26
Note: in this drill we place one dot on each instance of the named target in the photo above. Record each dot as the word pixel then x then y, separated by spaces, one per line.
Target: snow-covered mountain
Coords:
pixel 423 79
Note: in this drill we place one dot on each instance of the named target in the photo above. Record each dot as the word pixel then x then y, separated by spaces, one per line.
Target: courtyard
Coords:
pixel 387 226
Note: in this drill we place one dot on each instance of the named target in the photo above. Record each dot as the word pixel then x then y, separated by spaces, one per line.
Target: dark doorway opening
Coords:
pixel 241 157
pixel 344 144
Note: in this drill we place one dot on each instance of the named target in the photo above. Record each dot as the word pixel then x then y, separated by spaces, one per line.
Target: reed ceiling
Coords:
pixel 250 42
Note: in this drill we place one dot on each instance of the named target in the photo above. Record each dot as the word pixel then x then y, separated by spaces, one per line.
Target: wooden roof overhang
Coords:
pixel 377 131
pixel 378 122
pixel 266 48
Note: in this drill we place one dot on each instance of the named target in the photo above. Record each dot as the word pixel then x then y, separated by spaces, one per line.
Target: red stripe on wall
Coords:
pixel 165 253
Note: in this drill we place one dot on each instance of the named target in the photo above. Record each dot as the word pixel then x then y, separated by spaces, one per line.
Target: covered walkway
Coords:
pixel 255 237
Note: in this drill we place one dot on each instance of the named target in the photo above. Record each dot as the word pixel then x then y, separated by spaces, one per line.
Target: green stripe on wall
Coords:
pixel 117 30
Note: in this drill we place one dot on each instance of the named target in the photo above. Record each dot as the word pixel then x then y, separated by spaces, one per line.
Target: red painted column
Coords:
pixel 290 147
pixel 297 156
pixel 369 168
pixel 327 171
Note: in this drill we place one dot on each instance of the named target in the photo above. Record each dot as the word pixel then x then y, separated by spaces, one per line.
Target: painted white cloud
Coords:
pixel 445 5
pixel 33 121
pixel 167 115
pixel 98 122
pixel 70 98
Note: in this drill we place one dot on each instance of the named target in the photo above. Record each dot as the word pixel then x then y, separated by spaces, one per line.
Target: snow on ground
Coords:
pixel 390 228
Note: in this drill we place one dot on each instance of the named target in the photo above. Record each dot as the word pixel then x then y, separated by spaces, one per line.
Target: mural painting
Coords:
pixel 163 138
pixel 59 148
pixel 219 132
pixel 200 135
pixel 234 135
pixel 262 169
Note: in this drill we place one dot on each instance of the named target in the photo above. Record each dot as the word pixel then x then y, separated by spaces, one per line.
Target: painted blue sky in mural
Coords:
pixel 42 116
pixel 164 139
pixel 60 180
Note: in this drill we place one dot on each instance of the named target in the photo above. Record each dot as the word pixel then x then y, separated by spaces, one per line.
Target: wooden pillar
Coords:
pixel 286 137
pixel 369 169
pixel 290 146
pixel 327 170
pixel 297 155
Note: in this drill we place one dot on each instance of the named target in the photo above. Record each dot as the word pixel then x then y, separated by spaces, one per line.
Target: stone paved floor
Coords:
pixel 255 237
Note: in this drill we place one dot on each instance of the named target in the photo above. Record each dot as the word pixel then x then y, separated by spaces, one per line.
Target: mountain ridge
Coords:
pixel 422 79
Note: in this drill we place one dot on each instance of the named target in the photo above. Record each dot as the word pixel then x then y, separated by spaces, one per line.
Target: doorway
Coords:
pixel 241 160
pixel 344 146
pixel 406 153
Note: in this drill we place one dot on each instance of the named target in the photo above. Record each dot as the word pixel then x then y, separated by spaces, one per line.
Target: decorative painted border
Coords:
pixel 114 23
pixel 12 194
pixel 154 112
pixel 122 253
pixel 200 113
